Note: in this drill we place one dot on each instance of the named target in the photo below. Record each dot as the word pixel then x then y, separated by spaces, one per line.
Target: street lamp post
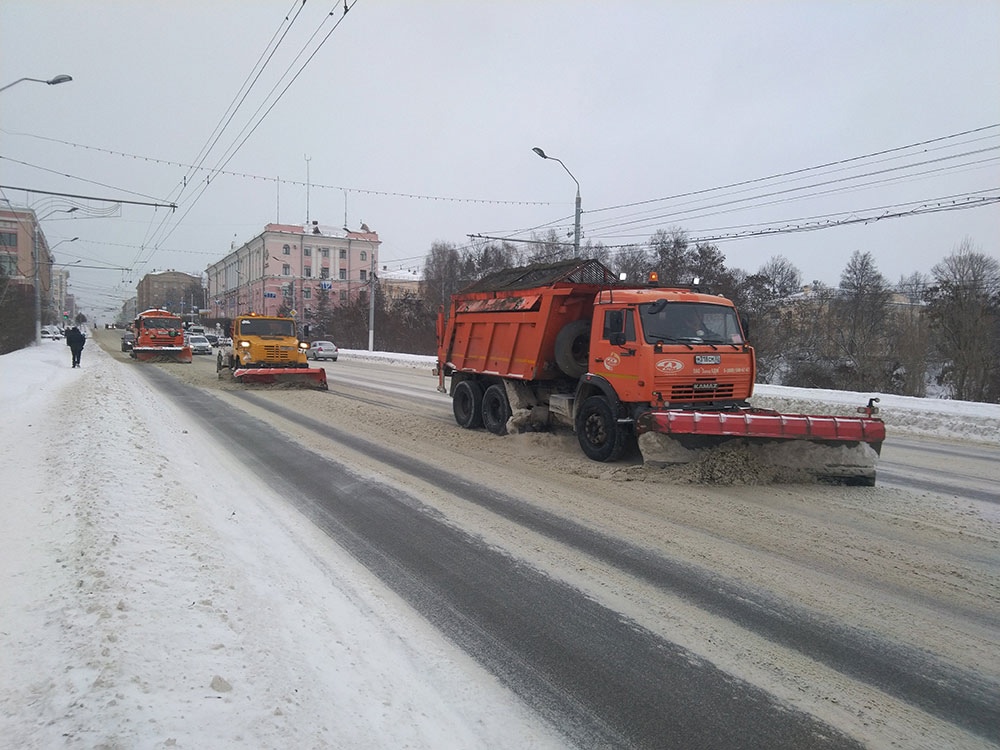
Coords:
pixel 371 302
pixel 62 78
pixel 576 224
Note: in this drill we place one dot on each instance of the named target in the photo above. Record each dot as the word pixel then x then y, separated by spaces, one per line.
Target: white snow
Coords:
pixel 155 594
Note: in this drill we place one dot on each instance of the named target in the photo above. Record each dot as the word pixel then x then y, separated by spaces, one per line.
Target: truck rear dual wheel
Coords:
pixel 496 409
pixel 467 404
pixel 601 437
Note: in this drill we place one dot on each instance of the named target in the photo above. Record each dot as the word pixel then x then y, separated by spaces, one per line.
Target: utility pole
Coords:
pixel 308 159
pixel 38 288
pixel 371 303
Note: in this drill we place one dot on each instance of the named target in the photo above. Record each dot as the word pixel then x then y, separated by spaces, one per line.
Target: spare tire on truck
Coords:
pixel 572 350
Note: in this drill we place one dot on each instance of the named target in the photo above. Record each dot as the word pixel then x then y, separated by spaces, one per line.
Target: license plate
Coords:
pixel 708 359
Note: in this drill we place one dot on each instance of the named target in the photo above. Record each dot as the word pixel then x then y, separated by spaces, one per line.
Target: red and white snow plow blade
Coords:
pixel 308 376
pixel 842 449
pixel 162 354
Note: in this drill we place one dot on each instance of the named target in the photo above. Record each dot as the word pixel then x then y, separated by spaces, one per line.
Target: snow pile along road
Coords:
pixel 903 415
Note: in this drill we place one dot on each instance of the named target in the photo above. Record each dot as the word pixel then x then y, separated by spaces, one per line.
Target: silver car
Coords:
pixel 322 350
pixel 199 345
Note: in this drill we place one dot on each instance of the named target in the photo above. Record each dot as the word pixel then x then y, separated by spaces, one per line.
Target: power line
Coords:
pixel 280 181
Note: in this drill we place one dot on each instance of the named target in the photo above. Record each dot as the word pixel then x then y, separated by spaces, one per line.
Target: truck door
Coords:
pixel 615 353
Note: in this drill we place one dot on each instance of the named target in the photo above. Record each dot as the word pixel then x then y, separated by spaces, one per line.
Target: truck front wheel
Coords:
pixel 597 429
pixel 467 404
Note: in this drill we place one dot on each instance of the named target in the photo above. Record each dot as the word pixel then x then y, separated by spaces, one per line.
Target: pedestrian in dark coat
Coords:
pixel 75 341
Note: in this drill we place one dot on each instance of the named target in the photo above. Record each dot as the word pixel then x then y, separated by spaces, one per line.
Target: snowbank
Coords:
pixel 903 415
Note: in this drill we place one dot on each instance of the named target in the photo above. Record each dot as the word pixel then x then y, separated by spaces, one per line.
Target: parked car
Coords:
pixel 322 350
pixel 51 332
pixel 128 341
pixel 199 345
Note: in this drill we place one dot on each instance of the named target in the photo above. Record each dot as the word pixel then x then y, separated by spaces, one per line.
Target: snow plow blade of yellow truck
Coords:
pixel 309 377
pixel 841 449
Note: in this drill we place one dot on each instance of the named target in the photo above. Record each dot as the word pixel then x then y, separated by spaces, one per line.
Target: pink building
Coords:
pixel 288 266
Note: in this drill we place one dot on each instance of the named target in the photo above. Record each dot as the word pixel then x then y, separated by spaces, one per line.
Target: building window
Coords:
pixel 364 255
pixel 343 295
pixel 307 251
pixel 343 274
pixel 307 293
pixel 286 250
pixel 8 264
pixel 308 272
pixel 343 253
pixel 286 270
pixel 8 239
pixel 325 252
pixel 364 275
pixel 324 273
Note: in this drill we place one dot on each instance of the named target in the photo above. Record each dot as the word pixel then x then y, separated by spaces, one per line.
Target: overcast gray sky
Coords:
pixel 418 118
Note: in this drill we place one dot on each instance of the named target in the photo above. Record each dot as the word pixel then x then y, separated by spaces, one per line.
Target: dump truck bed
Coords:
pixel 507 324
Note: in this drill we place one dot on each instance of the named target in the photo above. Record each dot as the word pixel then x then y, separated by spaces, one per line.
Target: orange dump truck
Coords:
pixel 567 343
pixel 159 337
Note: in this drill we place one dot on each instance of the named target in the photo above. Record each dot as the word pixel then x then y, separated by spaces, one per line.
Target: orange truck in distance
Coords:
pixel 569 344
pixel 159 337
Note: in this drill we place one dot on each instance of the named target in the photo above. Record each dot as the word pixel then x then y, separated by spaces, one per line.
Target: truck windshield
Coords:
pixel 261 327
pixel 160 323
pixel 688 322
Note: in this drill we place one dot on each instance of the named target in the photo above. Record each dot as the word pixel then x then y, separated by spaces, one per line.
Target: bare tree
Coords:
pixel 549 248
pixel 443 275
pixel 860 312
pixel 673 258
pixel 765 299
pixel 963 306
pixel 781 277
pixel 634 262
pixel 910 336
pixel 807 333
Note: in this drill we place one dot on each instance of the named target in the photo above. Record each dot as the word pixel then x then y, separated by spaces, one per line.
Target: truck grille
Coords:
pixel 707 391
pixel 278 354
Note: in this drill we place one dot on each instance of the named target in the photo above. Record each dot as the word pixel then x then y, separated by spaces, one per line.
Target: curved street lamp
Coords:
pixel 61 242
pixel 61 78
pixel 576 224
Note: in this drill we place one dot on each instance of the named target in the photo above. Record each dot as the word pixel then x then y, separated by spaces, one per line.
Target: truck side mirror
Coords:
pixel 617 339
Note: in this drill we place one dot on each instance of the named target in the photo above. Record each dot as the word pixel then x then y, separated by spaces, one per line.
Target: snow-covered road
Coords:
pixel 158 594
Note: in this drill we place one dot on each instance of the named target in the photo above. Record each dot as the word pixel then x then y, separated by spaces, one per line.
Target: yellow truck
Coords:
pixel 268 350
